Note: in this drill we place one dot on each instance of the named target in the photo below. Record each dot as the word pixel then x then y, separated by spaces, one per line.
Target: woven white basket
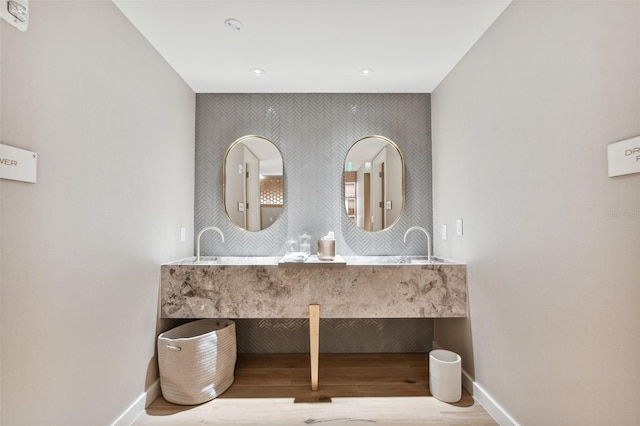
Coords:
pixel 197 360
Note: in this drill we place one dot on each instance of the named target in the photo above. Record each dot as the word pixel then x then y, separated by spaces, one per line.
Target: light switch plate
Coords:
pixel 183 234
pixel 459 227
pixel 444 232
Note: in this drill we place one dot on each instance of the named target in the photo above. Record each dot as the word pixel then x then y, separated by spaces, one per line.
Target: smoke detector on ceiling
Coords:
pixel 15 12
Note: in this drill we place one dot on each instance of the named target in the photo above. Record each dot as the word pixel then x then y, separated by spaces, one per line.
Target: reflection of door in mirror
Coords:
pixel 235 186
pixel 252 191
pixel 378 199
pixel 366 201
pixel 383 188
pixel 393 185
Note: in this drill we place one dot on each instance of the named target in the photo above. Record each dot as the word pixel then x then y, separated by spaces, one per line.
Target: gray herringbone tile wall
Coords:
pixel 314 133
pixel 366 335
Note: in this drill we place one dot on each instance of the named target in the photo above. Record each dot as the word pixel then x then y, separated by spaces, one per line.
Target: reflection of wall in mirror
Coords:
pixel 271 200
pixel 269 215
pixel 271 191
pixel 234 185
pixel 350 193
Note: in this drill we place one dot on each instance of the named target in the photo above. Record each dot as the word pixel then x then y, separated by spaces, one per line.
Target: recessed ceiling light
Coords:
pixel 366 71
pixel 256 71
pixel 233 24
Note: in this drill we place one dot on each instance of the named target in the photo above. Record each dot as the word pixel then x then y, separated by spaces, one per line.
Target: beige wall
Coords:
pixel 1 139
pixel 520 129
pixel 113 126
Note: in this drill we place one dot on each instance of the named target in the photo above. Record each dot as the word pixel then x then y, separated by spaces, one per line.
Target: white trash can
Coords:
pixel 445 375
pixel 197 360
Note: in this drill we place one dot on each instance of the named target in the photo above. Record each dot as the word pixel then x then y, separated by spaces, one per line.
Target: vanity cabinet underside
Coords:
pixel 353 291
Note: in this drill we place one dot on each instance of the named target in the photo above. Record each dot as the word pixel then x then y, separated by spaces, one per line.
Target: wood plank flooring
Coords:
pixel 341 375
pixel 355 389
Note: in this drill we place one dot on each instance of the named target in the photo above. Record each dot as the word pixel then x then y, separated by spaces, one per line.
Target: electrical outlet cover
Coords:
pixel 15 12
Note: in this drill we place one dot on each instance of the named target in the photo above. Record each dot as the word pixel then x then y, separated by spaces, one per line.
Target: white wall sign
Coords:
pixel 18 164
pixel 624 157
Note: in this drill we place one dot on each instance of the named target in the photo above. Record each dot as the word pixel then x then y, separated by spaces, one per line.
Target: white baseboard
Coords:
pixel 138 406
pixel 488 403
pixel 467 382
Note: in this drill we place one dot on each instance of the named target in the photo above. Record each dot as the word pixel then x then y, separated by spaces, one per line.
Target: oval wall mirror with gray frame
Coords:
pixel 253 183
pixel 374 183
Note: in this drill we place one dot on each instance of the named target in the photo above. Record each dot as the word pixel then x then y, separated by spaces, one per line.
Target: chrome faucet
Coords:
pixel 419 228
pixel 202 231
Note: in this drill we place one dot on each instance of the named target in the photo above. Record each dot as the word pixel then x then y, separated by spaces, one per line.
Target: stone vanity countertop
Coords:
pixel 313 261
pixel 367 287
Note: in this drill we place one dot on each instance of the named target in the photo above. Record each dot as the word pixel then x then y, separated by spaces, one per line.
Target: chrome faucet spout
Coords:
pixel 202 231
pixel 420 228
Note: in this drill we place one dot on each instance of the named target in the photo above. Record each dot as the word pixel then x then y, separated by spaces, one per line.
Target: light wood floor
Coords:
pixel 355 389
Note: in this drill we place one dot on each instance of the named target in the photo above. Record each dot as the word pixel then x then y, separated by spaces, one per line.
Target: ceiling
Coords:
pixel 313 46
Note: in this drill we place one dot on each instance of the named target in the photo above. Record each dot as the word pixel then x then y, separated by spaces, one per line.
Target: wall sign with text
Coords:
pixel 18 164
pixel 624 157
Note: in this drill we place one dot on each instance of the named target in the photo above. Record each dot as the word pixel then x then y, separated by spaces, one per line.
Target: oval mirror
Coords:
pixel 374 183
pixel 253 183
